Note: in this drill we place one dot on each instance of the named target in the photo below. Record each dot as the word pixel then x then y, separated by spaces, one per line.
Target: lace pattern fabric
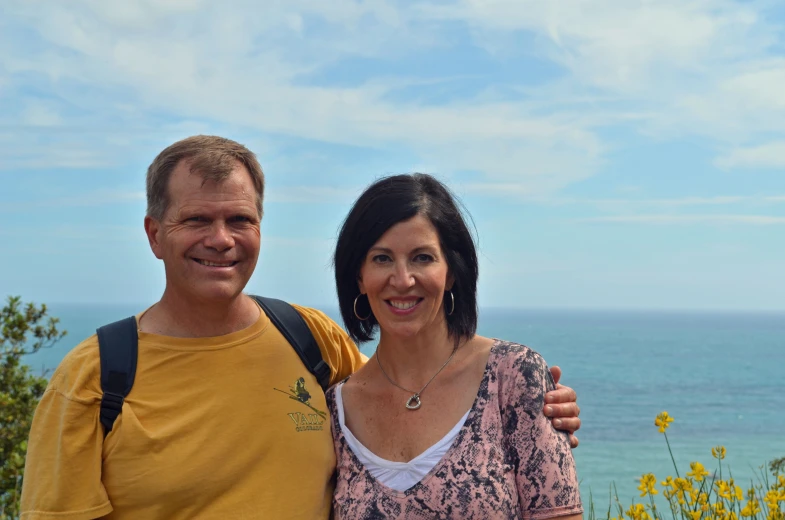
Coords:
pixel 507 460
pixel 396 475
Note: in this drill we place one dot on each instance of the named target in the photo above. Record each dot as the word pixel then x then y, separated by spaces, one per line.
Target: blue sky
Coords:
pixel 613 153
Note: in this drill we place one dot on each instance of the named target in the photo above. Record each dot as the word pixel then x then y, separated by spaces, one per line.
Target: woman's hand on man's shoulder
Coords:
pixel 562 407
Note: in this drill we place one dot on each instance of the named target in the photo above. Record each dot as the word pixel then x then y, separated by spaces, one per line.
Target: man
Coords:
pixel 224 420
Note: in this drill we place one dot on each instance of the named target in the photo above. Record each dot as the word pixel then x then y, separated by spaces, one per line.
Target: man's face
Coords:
pixel 209 236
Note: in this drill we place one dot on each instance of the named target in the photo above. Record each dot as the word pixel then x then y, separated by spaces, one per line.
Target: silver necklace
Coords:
pixel 414 402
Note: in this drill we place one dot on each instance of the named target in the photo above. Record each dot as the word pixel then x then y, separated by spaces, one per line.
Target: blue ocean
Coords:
pixel 720 375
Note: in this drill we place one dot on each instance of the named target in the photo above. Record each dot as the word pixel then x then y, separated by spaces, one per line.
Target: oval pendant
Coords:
pixel 414 402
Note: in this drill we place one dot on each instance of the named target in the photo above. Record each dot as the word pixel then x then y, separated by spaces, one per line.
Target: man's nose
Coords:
pixel 220 237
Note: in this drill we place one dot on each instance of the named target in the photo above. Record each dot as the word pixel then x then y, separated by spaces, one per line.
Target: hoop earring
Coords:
pixel 355 309
pixel 452 299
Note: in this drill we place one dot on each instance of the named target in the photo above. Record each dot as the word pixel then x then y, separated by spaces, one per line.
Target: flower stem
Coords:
pixel 671 452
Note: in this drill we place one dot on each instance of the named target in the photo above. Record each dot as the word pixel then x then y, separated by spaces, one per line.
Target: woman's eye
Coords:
pixel 423 258
pixel 380 259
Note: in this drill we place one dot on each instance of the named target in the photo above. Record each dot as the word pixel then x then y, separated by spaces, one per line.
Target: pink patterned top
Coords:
pixel 507 461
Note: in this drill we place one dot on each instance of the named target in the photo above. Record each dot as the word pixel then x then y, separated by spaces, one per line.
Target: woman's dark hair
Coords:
pixel 383 204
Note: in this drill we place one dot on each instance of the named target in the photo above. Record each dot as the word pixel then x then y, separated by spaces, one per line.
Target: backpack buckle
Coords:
pixel 111 401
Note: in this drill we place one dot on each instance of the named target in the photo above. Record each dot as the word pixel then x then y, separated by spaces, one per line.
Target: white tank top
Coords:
pixel 399 476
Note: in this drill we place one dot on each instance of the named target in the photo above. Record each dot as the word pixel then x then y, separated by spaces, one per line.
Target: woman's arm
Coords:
pixel 540 455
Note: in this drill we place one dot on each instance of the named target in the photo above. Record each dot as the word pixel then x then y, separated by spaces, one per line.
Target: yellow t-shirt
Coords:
pixel 214 428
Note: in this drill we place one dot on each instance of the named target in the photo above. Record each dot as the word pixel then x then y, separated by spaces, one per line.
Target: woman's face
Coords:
pixel 405 275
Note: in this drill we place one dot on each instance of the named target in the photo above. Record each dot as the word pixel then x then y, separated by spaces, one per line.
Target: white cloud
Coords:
pixel 760 220
pixel 312 194
pixel 226 65
pixel 617 44
pixel 92 199
pixel 668 67
pixel 769 155
pixel 71 234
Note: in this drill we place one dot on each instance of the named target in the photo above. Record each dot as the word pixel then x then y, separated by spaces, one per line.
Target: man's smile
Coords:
pixel 208 263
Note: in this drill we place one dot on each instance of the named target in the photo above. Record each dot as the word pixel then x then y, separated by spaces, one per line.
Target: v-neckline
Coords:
pixel 454 431
pixel 456 443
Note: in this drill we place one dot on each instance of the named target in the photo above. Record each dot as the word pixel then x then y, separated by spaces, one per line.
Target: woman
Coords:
pixel 443 423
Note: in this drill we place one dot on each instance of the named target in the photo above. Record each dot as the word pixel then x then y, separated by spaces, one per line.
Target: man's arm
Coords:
pixel 63 466
pixel 562 407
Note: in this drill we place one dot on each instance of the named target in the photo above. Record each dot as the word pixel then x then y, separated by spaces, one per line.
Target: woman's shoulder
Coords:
pixel 509 355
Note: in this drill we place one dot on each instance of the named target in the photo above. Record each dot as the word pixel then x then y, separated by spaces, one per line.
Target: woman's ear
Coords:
pixel 450 282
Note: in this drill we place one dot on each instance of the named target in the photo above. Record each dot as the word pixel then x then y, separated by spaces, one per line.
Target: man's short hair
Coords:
pixel 210 156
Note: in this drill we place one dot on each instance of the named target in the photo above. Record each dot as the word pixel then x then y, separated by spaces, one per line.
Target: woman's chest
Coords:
pixel 474 477
pixel 396 433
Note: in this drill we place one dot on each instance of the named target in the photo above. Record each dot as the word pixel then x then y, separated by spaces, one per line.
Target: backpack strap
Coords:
pixel 293 327
pixel 118 349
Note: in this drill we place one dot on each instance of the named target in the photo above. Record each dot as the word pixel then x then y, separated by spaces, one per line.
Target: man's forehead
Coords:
pixel 184 179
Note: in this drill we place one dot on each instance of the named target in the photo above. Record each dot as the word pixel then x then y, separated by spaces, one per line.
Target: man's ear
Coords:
pixel 152 229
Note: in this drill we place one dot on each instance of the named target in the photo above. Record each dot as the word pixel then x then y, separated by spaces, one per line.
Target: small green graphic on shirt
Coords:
pixel 304 422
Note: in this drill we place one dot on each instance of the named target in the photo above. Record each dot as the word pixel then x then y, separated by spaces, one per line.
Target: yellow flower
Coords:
pixel 698 471
pixel 663 421
pixel 723 489
pixel 683 488
pixel 648 481
pixel 718 452
pixel 729 491
pixel 751 509
pixel 772 499
pixel 695 515
pixel 638 512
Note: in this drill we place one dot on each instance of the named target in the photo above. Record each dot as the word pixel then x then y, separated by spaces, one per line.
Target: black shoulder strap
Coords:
pixel 118 349
pixel 296 331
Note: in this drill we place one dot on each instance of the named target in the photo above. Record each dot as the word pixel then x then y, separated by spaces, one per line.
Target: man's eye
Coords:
pixel 195 219
pixel 239 218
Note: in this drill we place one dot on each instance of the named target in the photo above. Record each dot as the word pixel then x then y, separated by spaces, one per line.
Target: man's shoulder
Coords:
pixel 315 317
pixel 78 376
pixel 337 348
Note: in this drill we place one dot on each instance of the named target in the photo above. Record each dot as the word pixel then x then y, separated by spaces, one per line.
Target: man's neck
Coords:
pixel 173 316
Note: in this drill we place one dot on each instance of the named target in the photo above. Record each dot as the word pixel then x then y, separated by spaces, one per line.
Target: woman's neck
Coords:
pixel 412 361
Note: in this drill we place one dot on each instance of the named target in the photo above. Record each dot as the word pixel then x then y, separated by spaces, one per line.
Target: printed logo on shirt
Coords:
pixel 304 421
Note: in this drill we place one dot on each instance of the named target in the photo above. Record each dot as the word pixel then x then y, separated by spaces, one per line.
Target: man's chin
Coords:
pixel 215 294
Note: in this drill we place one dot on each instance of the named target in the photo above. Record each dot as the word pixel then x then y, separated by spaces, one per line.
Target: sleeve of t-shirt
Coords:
pixel 546 479
pixel 338 350
pixel 62 478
